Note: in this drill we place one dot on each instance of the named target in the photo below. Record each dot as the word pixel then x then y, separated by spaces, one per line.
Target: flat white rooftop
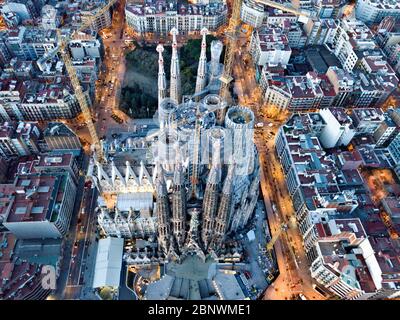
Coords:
pixel 108 266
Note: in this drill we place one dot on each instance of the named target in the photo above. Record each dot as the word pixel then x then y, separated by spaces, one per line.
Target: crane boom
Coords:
pixel 62 45
pixel 275 237
pixel 81 98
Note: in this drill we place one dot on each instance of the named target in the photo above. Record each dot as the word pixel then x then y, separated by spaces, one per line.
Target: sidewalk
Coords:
pixel 87 289
pixel 69 239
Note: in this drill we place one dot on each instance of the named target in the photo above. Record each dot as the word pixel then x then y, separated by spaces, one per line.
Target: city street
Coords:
pixel 69 240
pixel 81 242
pixel 294 270
pixel 294 275
pixel 80 248
pixel 111 77
pixel 82 245
pixel 245 85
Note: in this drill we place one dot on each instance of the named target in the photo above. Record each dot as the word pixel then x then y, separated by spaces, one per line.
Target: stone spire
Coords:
pixel 162 81
pixel 251 202
pixel 175 81
pixel 202 68
pixel 216 50
pixel 163 211
pixel 222 219
pixel 192 245
pixel 179 207
pixel 210 204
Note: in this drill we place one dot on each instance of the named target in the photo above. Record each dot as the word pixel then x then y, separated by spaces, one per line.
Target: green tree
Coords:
pixel 136 98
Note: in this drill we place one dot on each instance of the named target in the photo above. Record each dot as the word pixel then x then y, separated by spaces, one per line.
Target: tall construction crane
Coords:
pixel 62 45
pixel 226 79
pixel 231 33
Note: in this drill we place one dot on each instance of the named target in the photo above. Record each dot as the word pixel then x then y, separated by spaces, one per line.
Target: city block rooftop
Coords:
pixel 338 178
pixel 34 195
pixel 36 91
pixel 157 7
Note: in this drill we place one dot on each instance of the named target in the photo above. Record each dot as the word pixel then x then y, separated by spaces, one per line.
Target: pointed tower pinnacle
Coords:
pixel 163 210
pixel 175 81
pixel 179 207
pixel 210 205
pixel 223 213
pixel 202 68
pixel 162 81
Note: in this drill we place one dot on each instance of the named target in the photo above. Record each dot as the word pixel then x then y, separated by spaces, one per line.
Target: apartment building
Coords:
pixel 320 31
pixel 19 140
pixel 253 13
pixel 160 18
pixel 351 36
pixel 269 46
pixel 343 83
pixel 367 120
pixel 47 101
pixel 339 129
pixel 40 203
pixel 29 43
pixel 296 93
pixel 373 11
pixel 59 137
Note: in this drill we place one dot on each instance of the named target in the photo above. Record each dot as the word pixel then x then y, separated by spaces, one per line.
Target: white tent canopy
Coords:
pixel 108 263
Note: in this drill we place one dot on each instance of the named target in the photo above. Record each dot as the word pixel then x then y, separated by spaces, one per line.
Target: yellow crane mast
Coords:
pixel 270 245
pixel 80 96
pixel 281 231
pixel 62 44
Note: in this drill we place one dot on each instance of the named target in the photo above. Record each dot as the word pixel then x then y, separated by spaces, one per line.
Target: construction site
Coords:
pixel 189 188
pixel 183 188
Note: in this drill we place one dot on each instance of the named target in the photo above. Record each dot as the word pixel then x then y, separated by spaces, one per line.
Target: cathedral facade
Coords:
pixel 206 173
